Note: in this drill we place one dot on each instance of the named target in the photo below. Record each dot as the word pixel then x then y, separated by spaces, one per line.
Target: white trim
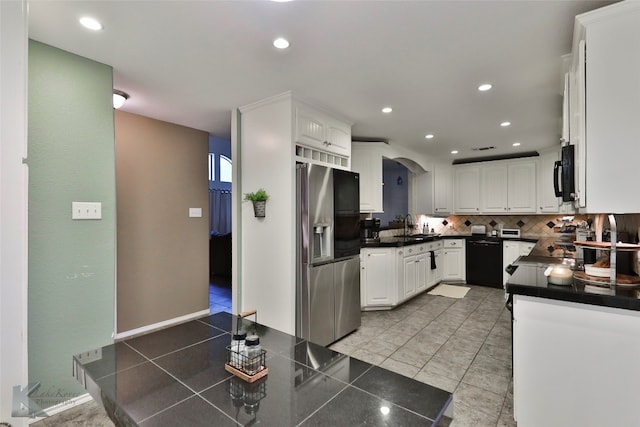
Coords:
pixel 63 406
pixel 161 325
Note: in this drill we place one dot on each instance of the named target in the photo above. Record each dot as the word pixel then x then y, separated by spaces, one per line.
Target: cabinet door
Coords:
pixel 526 248
pixel 409 268
pixel 339 137
pixel 494 188
pixel 547 200
pixel 380 277
pixel 453 264
pixel 510 252
pixel 310 128
pixel 438 272
pixel 522 187
pixel 366 159
pixel 442 189
pixel 467 189
pixel 423 271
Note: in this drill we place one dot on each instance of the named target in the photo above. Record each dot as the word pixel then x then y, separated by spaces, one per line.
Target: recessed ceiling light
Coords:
pixel 505 124
pixel 90 23
pixel 429 136
pixel 516 144
pixel 281 43
pixel 484 87
pixel 454 152
pixel 387 110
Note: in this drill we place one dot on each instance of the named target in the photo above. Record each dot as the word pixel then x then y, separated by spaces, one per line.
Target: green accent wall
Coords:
pixel 71 157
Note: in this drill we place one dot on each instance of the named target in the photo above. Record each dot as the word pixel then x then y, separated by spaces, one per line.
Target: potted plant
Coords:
pixel 259 200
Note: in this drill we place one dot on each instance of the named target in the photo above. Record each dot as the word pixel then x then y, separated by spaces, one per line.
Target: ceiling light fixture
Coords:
pixel 387 110
pixel 454 152
pixel 90 23
pixel 505 124
pixel 281 43
pixel 484 87
pixel 429 136
pixel 516 144
pixel 119 98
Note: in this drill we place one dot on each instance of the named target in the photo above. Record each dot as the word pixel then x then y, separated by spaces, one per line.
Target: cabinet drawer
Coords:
pixel 453 243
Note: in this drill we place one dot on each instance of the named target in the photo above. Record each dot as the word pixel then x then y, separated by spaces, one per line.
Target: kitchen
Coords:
pixel 284 213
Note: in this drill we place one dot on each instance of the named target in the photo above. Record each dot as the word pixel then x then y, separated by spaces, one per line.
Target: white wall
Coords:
pixel 13 204
pixel 264 155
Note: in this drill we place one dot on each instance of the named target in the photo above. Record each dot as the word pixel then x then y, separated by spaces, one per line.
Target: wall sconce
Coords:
pixel 399 180
pixel 119 98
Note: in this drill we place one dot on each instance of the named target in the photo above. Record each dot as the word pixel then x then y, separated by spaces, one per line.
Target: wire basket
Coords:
pixel 250 368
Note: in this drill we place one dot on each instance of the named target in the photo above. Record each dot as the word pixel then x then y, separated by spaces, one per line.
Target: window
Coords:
pixel 225 169
pixel 212 167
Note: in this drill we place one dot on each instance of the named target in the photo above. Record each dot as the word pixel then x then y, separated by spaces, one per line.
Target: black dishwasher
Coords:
pixel 484 261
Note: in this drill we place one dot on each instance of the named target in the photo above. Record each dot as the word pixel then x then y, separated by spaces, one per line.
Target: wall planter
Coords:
pixel 259 200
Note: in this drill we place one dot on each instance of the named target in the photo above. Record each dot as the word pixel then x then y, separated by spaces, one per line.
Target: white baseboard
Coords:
pixel 63 406
pixel 161 325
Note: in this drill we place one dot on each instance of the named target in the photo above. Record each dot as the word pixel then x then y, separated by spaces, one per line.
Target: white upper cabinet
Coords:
pixel 318 130
pixel 612 95
pixel 467 189
pixel 521 186
pixel 494 188
pixel 366 159
pixel 547 200
pixel 442 189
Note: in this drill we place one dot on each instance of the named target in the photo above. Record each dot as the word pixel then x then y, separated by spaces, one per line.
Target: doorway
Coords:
pixel 220 178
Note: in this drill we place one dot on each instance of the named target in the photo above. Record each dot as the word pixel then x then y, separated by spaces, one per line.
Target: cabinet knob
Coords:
pixel 477 209
pixel 410 250
pixel 368 254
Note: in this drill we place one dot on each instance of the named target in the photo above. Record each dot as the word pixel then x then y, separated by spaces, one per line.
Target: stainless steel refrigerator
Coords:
pixel 328 262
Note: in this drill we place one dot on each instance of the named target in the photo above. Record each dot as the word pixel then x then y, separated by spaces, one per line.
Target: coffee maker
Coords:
pixel 370 230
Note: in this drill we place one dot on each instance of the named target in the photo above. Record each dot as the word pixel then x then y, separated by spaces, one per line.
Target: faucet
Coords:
pixel 408 224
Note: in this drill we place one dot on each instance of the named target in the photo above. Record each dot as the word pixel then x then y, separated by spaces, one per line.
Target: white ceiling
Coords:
pixel 192 62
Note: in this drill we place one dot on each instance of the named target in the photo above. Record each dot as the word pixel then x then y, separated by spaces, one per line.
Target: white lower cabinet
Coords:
pixel 393 275
pixel 454 260
pixel 378 277
pixel 511 250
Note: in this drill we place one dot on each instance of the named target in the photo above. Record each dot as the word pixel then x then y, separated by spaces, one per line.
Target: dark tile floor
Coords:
pixel 462 346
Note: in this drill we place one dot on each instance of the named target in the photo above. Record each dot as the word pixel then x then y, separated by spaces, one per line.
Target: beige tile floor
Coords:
pixel 460 345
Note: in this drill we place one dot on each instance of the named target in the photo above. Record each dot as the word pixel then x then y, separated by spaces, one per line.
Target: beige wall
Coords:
pixel 163 255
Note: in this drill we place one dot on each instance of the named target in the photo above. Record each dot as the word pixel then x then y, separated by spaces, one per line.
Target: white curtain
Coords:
pixel 219 211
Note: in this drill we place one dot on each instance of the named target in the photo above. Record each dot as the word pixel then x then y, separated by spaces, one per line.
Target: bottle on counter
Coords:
pixel 252 352
pixel 237 348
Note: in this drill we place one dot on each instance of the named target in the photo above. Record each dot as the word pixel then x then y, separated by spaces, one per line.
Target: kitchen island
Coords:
pixel 575 354
pixel 176 377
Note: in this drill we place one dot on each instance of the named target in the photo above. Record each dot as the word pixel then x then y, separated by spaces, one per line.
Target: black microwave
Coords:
pixel 564 174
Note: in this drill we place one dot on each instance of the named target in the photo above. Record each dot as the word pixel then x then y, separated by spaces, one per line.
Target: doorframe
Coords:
pixel 14 178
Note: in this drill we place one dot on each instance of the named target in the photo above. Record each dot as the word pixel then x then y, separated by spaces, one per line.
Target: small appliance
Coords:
pixel 479 229
pixel 370 230
pixel 510 232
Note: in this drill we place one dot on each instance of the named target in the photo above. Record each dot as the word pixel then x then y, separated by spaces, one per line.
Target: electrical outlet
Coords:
pixel 86 210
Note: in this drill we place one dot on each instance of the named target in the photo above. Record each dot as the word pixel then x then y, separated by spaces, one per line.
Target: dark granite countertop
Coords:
pixel 416 239
pixel 176 377
pixel 535 285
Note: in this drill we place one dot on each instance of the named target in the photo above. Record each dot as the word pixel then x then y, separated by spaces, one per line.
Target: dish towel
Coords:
pixel 433 260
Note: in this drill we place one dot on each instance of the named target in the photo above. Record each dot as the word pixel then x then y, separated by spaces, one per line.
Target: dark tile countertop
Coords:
pixel 176 377
pixel 397 241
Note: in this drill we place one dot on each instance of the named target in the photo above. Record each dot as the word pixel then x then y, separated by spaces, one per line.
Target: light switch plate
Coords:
pixel 195 212
pixel 86 210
